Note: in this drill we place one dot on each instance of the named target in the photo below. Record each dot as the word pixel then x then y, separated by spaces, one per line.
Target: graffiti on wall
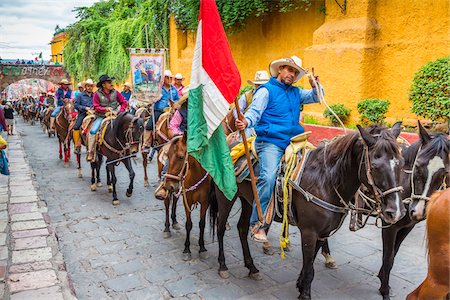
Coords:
pixel 27 87
pixel 39 71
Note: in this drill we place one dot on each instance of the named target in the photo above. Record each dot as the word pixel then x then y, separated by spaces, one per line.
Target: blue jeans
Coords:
pixel 96 125
pixel 56 111
pixel 269 161
pixel 164 170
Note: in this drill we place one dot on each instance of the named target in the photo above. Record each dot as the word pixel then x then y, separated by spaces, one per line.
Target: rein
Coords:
pixel 129 141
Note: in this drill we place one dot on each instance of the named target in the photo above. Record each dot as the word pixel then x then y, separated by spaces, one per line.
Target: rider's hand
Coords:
pixel 109 109
pixel 176 106
pixel 311 82
pixel 241 124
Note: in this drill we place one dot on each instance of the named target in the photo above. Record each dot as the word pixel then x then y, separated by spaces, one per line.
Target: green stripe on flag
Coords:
pixel 213 153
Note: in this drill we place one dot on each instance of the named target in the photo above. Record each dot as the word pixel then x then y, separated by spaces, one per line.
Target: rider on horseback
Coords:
pixel 63 93
pixel 83 103
pixel 275 114
pixel 169 92
pixel 106 99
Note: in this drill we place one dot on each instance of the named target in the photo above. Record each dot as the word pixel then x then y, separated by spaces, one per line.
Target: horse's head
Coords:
pixel 134 132
pixel 430 170
pixel 177 168
pixel 68 110
pixel 380 169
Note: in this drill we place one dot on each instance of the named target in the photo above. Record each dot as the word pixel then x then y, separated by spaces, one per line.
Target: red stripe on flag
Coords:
pixel 216 53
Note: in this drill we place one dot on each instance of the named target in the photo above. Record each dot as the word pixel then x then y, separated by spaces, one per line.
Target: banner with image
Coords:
pixel 147 69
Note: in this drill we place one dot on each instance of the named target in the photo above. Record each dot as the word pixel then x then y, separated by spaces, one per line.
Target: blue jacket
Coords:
pixel 171 94
pixel 280 120
pixel 83 101
pixel 126 95
pixel 60 96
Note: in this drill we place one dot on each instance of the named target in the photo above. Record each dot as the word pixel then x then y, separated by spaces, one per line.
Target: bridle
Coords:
pixel 183 171
pixel 129 139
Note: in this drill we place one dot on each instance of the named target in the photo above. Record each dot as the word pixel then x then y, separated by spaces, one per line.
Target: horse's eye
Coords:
pixel 180 157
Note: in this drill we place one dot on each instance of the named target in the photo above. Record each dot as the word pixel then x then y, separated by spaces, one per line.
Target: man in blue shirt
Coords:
pixel 275 114
pixel 83 103
pixel 169 92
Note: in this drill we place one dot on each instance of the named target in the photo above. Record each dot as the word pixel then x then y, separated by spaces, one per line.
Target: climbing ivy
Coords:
pixel 99 41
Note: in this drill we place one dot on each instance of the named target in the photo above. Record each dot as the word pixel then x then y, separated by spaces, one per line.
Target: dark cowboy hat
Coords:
pixel 104 78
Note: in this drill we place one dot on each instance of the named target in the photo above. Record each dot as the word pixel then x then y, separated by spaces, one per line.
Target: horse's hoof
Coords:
pixel 146 184
pixel 176 226
pixel 115 202
pixel 203 255
pixel 60 157
pixel 66 165
pixel 227 226
pixel 110 189
pixel 187 256
pixel 167 234
pixel 93 187
pixel 224 274
pixel 128 194
pixel 331 265
pixel 255 276
pixel 99 184
pixel 80 174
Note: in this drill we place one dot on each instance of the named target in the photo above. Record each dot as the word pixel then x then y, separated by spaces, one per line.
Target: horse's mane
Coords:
pixel 438 145
pixel 117 123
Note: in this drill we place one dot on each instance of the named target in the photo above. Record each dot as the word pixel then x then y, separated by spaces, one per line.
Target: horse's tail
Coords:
pixel 213 208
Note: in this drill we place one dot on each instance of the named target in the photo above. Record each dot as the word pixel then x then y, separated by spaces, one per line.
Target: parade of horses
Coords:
pixel 207 148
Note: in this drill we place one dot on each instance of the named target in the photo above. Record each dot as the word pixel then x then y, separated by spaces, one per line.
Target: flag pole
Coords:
pixel 249 163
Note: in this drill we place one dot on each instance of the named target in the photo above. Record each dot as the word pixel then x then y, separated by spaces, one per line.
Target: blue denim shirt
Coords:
pixel 83 101
pixel 170 94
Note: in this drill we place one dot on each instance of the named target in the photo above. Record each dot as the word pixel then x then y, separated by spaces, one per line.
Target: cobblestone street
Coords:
pixel 120 253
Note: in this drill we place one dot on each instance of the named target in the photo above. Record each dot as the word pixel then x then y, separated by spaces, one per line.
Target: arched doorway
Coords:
pixel 25 87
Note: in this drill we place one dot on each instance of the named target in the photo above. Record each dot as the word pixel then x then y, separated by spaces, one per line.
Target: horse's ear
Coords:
pixel 424 136
pixel 171 102
pixel 185 137
pixel 397 129
pixel 367 137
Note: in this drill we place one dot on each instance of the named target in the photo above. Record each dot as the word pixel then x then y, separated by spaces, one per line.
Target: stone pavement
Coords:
pixel 119 252
pixel 29 252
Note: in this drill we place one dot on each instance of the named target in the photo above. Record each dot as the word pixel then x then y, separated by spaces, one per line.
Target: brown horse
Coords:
pixel 63 122
pixel 46 121
pixel 331 177
pixel 32 112
pixel 121 141
pixel 187 177
pixel 144 114
pixel 437 283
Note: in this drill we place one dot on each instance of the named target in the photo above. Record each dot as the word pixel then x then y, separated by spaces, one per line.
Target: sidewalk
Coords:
pixel 31 265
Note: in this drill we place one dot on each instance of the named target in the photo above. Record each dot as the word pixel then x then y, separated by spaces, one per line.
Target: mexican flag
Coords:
pixel 215 82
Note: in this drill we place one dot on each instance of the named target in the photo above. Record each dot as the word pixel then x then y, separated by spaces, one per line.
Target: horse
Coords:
pixel 120 141
pixel 331 176
pixel 427 168
pixel 437 283
pixel 143 113
pixel 32 112
pixel 187 177
pixel 63 122
pixel 46 121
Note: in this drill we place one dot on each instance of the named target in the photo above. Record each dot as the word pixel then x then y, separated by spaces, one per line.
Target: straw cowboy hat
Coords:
pixel 89 81
pixel 261 77
pixel 179 76
pixel 80 84
pixel 167 73
pixel 292 61
pixel 104 78
pixel 50 94
pixel 127 84
pixel 65 81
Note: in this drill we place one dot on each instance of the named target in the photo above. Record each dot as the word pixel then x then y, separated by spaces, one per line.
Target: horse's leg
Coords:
pixel 127 163
pixel 108 179
pixel 243 226
pixel 144 164
pixel 111 169
pixel 201 241
pixel 330 263
pixel 80 174
pixel 167 233
pixel 187 243
pixel 430 288
pixel 310 246
pixel 224 207
pixel 98 165
pixel 173 215
pixel 60 150
pixel 93 171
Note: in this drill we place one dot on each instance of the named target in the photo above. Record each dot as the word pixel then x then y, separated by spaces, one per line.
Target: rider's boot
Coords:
pixel 91 147
pixel 52 124
pixel 77 141
pixel 147 140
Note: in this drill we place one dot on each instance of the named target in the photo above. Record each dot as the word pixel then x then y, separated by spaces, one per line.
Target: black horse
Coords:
pixel 427 169
pixel 121 141
pixel 331 177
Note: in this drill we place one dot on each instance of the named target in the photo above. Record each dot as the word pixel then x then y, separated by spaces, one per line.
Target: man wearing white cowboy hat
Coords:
pixel 169 92
pixel 83 103
pixel 63 93
pixel 178 83
pixel 275 114
pixel 80 89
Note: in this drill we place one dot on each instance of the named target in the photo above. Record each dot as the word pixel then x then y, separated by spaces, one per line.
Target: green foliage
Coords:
pixel 373 110
pixel 310 120
pixel 245 89
pixel 340 110
pixel 430 90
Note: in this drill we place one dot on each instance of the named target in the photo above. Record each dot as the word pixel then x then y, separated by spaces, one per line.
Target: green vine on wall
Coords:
pixel 99 41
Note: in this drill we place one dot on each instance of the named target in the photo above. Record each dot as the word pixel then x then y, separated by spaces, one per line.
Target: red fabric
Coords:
pixel 41 99
pixel 217 59
pixel 101 110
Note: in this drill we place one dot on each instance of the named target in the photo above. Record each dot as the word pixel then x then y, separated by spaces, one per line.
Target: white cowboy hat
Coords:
pixel 89 81
pixel 178 76
pixel 127 84
pixel 80 84
pixel 50 94
pixel 261 77
pixel 167 73
pixel 292 61
pixel 64 81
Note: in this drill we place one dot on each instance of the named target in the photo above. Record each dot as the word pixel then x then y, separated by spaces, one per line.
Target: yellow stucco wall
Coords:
pixel 371 51
pixel 57 46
